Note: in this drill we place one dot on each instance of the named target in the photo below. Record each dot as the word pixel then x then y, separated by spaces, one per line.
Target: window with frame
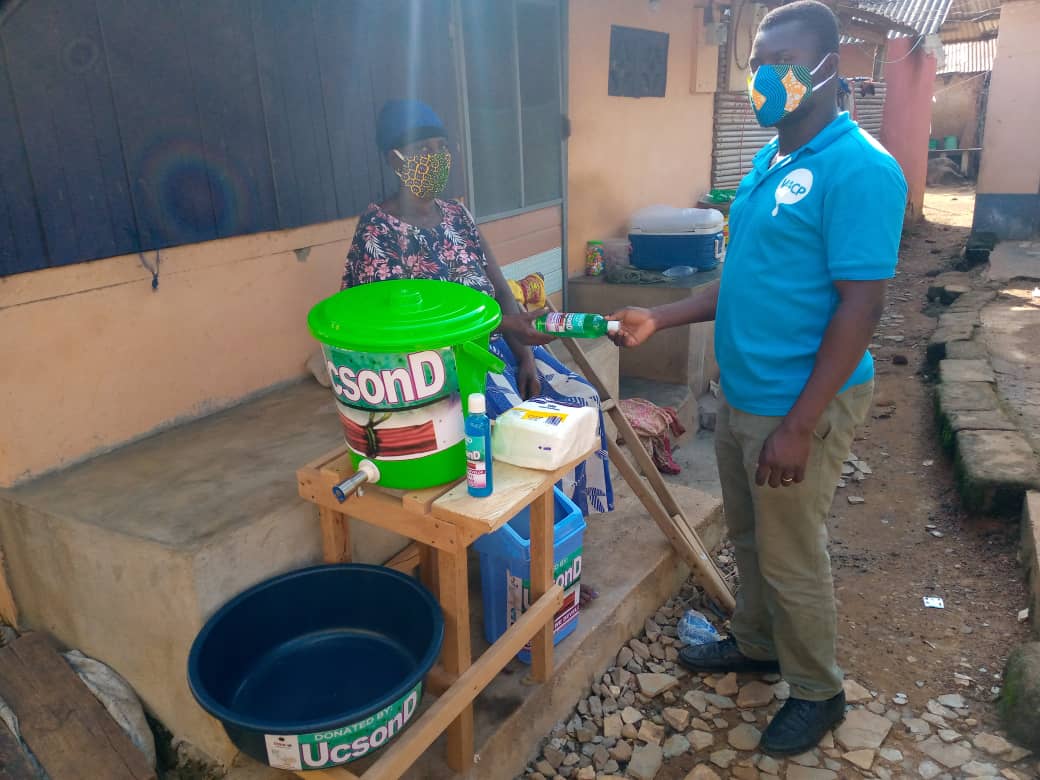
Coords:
pixel 514 103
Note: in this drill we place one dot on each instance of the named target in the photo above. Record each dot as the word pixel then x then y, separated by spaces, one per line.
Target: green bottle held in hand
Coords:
pixel 578 326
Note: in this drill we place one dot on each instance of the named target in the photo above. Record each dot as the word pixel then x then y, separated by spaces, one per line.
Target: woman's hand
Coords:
pixel 637 325
pixel 521 328
pixel 527 381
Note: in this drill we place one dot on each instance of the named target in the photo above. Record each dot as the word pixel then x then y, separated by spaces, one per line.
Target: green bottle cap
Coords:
pixel 403 315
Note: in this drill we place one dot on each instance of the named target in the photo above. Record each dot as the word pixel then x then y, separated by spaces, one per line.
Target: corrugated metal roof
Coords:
pixel 925 16
pixel 969 56
pixel 971 20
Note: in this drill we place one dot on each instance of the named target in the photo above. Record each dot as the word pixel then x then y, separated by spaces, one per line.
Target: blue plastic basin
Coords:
pixel 317 667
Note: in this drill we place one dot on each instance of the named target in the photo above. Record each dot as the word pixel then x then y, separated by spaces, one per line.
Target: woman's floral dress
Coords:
pixel 384 248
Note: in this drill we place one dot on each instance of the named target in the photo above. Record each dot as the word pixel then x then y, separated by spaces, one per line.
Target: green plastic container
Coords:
pixel 950 142
pixel 933 143
pixel 401 356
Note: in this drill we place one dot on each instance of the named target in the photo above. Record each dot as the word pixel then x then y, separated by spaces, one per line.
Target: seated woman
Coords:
pixel 416 235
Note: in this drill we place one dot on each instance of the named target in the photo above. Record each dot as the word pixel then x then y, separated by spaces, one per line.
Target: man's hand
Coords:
pixel 527 381
pixel 520 328
pixel 637 325
pixel 784 455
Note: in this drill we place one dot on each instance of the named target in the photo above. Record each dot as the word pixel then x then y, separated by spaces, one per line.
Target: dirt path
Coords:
pixel 886 557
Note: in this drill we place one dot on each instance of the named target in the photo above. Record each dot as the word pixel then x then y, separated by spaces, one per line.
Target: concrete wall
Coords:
pixel 94 358
pixel 626 153
pixel 1008 202
pixel 910 79
pixel 956 108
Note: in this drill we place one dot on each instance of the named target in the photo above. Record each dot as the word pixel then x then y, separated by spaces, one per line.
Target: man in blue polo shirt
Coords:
pixel 815 231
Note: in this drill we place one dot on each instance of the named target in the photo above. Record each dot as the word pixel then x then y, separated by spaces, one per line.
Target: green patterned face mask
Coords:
pixel 425 175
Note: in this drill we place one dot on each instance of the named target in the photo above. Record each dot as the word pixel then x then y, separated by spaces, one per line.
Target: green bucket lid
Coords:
pixel 403 315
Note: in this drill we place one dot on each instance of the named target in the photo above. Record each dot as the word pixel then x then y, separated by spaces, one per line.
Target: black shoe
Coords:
pixel 800 725
pixel 723 656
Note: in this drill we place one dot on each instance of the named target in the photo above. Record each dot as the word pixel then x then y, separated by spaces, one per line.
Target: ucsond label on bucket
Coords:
pixel 344 744
pixel 567 574
pixel 374 380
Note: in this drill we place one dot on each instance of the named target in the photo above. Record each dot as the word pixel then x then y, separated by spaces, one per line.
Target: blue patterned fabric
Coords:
pixel 589 484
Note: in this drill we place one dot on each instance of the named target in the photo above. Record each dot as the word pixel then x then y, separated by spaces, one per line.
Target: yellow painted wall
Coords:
pixel 1011 156
pixel 92 357
pixel 626 153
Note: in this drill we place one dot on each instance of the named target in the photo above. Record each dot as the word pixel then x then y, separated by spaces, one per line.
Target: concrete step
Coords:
pixel 628 562
pixel 125 556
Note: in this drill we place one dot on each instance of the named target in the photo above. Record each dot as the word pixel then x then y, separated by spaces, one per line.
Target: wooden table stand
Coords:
pixel 442 523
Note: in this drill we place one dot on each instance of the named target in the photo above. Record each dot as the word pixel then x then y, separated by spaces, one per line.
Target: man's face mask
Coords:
pixel 425 175
pixel 778 90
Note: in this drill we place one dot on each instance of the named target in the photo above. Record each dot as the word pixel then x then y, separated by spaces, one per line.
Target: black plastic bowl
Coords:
pixel 318 651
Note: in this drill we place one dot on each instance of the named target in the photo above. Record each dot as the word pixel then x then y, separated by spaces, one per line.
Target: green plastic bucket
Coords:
pixel 401 356
pixel 950 142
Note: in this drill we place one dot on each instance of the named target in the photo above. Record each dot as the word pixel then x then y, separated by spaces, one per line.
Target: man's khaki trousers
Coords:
pixel 785 606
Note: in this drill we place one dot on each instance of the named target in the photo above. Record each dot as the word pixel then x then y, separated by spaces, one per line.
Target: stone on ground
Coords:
pixel 929 770
pixel 854 692
pixel 995 470
pixel 631 715
pixel 981 420
pixel 622 751
pixel 676 717
pixel 992 744
pixel 954 700
pixel 864 759
pixel 1020 696
pixel 979 769
pixel 702 772
pixel 966 371
pixel 612 725
pixel 808 759
pixel 967 397
pixel 653 685
pixel 722 702
pixel 723 758
pixel 950 756
pixel 651 733
pixel 754 695
pixel 676 745
pixel 727 686
pixel 769 765
pixel 966 350
pixel 861 730
pixel 892 755
pixel 744 737
pixel 701 740
pixel 646 762
pixel 697 700
pixel 810 773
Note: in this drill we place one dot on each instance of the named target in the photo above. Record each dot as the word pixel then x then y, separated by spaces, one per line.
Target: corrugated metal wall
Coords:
pixel 738 136
pixel 869 110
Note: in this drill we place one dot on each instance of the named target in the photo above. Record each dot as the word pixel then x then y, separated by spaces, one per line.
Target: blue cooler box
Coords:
pixel 505 570
pixel 702 249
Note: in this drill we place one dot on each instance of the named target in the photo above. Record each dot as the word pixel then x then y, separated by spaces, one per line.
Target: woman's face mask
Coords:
pixel 778 90
pixel 425 175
